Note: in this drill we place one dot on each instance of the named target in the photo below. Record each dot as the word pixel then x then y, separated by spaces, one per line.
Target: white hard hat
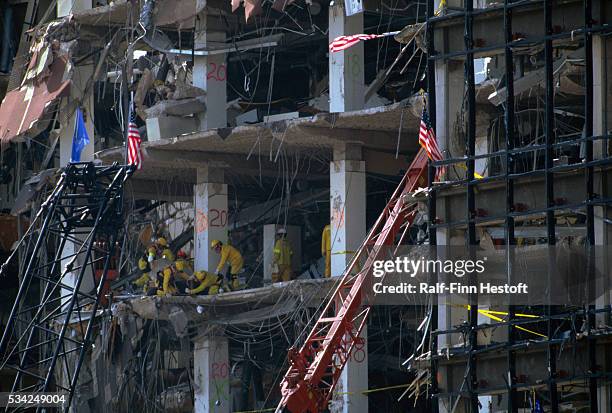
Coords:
pixel 281 231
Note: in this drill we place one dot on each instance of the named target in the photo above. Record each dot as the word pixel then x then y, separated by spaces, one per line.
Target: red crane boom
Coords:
pixel 315 369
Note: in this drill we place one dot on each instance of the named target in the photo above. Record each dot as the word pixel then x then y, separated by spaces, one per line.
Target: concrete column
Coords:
pixel 294 235
pixel 210 72
pixel 353 381
pixel 449 96
pixel 602 104
pixel 346 68
pixel 66 7
pixel 67 120
pixel 211 375
pixel 67 124
pixel 602 116
pixel 348 229
pixel 347 205
pixel 449 89
pixel 211 216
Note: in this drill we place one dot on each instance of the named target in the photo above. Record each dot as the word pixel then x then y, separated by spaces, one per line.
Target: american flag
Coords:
pixel 427 140
pixel 344 42
pixel 134 140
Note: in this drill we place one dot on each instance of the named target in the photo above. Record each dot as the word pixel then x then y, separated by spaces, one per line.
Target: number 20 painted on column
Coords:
pixel 218 218
pixel 216 72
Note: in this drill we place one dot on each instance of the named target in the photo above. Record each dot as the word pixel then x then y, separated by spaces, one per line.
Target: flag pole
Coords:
pixel 126 108
pixel 126 77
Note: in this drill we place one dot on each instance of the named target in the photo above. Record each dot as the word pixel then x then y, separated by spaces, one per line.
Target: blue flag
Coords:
pixel 80 138
pixel 538 407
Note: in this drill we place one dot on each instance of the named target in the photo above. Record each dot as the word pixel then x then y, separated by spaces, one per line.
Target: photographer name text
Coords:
pixel 450 288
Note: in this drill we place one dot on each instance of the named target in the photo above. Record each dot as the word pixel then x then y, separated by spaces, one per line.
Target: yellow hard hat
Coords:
pixel 214 243
pixel 162 241
pixel 167 254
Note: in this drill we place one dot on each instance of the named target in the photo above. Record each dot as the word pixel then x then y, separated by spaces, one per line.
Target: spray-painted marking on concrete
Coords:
pixel 201 221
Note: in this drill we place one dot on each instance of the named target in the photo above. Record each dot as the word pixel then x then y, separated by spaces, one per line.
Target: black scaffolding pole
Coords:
pixel 590 216
pixel 470 149
pixel 510 238
pixel 550 198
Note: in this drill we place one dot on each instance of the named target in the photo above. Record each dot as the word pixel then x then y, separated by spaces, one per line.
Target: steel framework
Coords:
pixel 512 41
pixel 71 245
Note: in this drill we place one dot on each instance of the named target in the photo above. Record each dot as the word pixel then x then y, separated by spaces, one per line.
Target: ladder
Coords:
pixel 315 368
pixel 71 247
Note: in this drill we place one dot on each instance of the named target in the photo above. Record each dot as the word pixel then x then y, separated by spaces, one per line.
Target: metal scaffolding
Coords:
pixel 514 148
pixel 71 247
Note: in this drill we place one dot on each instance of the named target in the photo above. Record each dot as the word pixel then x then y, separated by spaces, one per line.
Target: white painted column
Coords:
pixel 449 87
pixel 348 229
pixel 67 120
pixel 602 104
pixel 211 375
pixel 67 117
pixel 66 7
pixel 210 72
pixel 346 68
pixel 211 216
pixel 347 205
pixel 294 235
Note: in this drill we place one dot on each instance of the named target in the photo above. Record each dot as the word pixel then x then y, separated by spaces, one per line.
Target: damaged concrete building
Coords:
pixel 145 143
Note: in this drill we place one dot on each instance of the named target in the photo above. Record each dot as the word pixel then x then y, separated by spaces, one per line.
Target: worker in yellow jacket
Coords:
pixel 207 283
pixel 184 271
pixel 231 256
pixel 145 281
pixel 159 250
pixel 326 249
pixel 167 285
pixel 281 257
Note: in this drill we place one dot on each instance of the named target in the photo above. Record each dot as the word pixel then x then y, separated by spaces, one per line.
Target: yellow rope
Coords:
pixel 476 174
pixel 492 316
pixel 399 386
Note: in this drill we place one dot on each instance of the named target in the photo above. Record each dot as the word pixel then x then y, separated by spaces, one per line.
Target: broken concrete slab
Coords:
pixel 163 127
pixel 172 107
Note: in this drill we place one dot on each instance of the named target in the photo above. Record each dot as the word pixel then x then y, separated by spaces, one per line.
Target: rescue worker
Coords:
pixel 281 257
pixel 183 271
pixel 160 250
pixel 231 256
pixel 182 265
pixel 326 249
pixel 167 282
pixel 145 281
pixel 208 283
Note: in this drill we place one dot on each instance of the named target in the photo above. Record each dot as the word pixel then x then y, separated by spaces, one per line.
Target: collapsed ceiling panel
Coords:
pixel 25 112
